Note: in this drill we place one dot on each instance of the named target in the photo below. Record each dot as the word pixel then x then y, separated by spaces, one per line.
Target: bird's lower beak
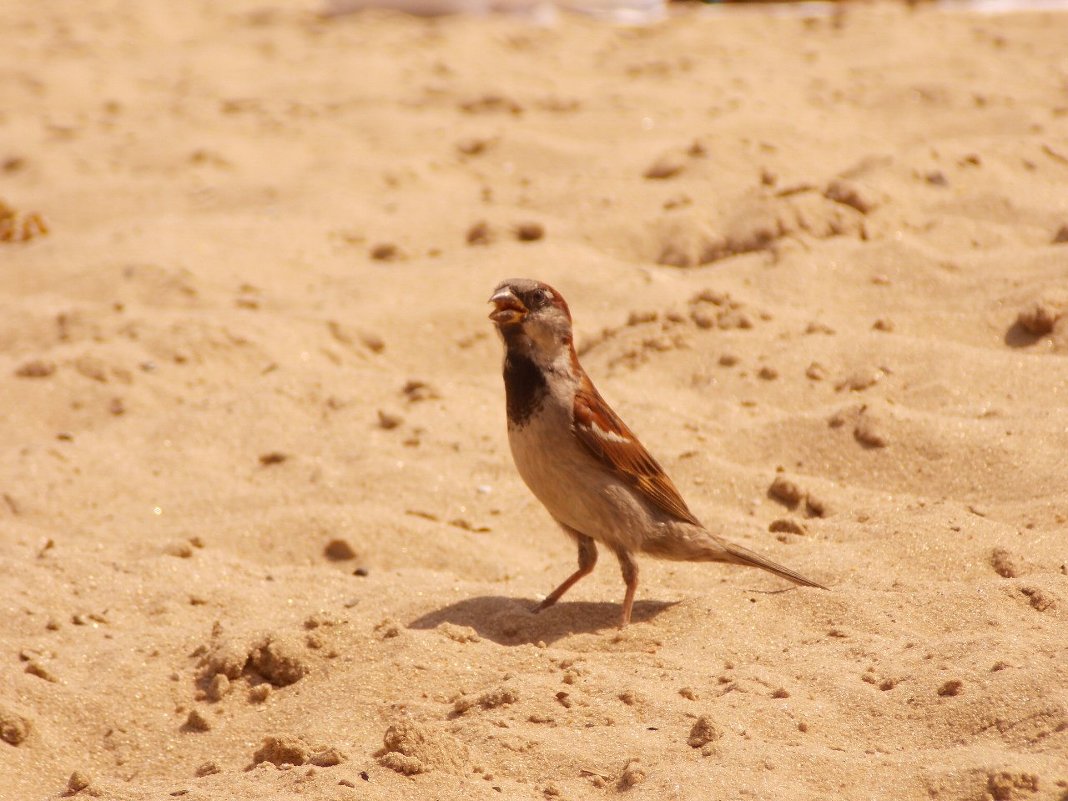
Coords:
pixel 509 309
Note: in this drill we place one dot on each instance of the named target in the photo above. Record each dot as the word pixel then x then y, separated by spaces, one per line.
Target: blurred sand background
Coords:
pixel 260 533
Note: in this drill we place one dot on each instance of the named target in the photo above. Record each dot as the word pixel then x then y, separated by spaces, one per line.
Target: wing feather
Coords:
pixel 614 445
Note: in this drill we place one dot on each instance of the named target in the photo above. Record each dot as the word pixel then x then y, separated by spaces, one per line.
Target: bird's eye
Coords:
pixel 541 297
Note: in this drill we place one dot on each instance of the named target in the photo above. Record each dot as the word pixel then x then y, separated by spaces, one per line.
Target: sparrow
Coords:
pixel 581 460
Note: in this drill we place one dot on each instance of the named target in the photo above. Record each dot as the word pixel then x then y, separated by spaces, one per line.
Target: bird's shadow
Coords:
pixel 512 621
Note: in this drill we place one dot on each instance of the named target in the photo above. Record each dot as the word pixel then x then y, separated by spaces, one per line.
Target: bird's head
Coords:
pixel 532 318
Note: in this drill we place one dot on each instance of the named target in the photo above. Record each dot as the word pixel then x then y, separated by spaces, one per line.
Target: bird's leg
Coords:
pixel 587 558
pixel 630 577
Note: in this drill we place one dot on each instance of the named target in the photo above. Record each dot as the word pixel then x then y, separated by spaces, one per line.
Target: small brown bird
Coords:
pixel 582 462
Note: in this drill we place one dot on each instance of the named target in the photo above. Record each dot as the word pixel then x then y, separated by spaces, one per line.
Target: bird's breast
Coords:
pixel 569 482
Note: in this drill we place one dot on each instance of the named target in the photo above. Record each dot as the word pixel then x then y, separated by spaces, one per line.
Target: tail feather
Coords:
pixel 744 556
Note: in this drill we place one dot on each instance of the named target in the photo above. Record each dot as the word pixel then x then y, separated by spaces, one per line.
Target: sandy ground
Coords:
pixel 260 533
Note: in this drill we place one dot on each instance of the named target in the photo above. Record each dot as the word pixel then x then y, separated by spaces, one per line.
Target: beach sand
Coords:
pixel 260 532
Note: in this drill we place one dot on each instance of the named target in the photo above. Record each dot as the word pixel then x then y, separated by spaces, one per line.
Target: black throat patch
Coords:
pixel 525 387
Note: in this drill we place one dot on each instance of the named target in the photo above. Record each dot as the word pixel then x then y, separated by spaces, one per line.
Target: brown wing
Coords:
pixel 615 446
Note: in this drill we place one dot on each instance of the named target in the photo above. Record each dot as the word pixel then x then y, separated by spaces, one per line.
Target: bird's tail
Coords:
pixel 743 556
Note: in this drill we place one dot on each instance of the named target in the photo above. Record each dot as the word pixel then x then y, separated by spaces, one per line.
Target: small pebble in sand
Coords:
pixel 14 728
pixel 35 369
pixel 936 178
pixel 474 145
pixel 667 166
pixel 1061 237
pixel 702 319
pixel 197 722
pixel 35 668
pixel 869 433
pixel 883 324
pixel 339 550
pixel 180 549
pixel 850 194
pixel 285 749
pixel 728 360
pixel 259 693
pixel 816 372
pixel 703 732
pixel 385 251
pixel 713 296
pixel 279 660
pixel 786 525
pixel 1004 563
pixel 373 342
pixel 415 391
pixel 327 758
pixel 389 421
pixel 768 373
pixel 479 233
pixel 91 367
pixel 860 380
pixel 816 506
pixel 785 491
pixel 689 693
pixel 77 782
pixel 839 418
pixel 208 769
pixel 641 317
pixel 1039 598
pixel 529 231
pixel 782 692
pixel 951 688
pixel 272 457
pixel 218 687
pixel 1039 317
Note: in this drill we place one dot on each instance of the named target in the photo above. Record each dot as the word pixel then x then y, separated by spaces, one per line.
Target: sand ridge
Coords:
pixel 261 532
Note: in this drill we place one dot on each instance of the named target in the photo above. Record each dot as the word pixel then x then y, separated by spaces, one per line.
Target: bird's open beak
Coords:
pixel 509 309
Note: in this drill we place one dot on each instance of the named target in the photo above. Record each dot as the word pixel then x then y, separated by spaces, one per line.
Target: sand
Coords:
pixel 260 533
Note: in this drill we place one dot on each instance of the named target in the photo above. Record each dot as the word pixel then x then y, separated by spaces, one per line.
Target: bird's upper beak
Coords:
pixel 509 309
